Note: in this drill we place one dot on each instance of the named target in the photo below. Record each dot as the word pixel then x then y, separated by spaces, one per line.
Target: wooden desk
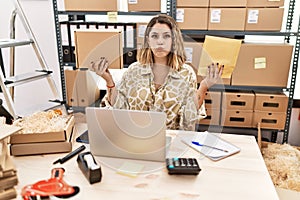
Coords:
pixel 241 176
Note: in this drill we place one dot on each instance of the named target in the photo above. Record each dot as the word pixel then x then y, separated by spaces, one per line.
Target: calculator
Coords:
pixel 184 166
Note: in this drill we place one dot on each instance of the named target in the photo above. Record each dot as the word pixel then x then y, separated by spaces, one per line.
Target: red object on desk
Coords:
pixel 55 186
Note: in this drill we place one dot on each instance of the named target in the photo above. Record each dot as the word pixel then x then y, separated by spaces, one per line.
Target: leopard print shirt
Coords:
pixel 175 97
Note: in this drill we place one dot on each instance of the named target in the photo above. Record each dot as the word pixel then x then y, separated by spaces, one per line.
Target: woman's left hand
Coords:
pixel 214 73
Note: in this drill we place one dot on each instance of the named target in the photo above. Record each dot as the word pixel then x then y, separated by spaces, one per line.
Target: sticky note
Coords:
pixel 112 16
pixel 130 169
pixel 260 63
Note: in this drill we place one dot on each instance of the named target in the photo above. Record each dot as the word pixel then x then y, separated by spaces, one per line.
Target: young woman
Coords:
pixel 160 80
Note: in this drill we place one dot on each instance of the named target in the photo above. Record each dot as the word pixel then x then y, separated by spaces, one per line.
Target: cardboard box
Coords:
pixel 59 136
pixel 237 101
pixel 264 19
pixel 90 45
pixel 265 3
pixel 213 117
pixel 269 120
pixel 81 88
pixel 227 3
pixel 91 5
pixel 236 118
pixel 263 65
pixel 213 100
pixel 271 102
pixel 192 18
pixel 40 148
pixel 144 5
pixel 227 19
pixel 192 3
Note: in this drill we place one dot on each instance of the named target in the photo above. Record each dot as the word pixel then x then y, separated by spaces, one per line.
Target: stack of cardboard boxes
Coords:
pixel 236 15
pixel 241 109
pixel 8 173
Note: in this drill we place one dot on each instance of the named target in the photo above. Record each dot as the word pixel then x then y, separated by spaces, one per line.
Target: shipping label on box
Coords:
pixel 237 101
pixel 91 45
pixel 269 120
pixel 212 118
pixel 236 118
pixel 271 102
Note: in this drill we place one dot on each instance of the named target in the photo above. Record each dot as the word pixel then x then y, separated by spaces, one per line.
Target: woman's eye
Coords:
pixel 154 36
pixel 167 36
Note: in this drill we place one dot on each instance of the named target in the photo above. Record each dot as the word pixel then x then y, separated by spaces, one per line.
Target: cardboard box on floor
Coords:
pixel 261 64
pixel 81 88
pixel 227 19
pixel 227 3
pixel 264 19
pixel 144 5
pixel 265 3
pixel 192 3
pixel 91 45
pixel 91 5
pixel 192 18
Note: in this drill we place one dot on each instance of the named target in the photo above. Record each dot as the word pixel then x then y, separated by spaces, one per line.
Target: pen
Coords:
pixel 70 155
pixel 203 145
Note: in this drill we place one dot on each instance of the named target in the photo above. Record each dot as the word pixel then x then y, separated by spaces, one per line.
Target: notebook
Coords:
pixel 210 145
pixel 128 134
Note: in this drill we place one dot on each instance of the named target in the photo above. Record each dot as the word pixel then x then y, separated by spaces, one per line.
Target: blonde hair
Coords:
pixel 176 57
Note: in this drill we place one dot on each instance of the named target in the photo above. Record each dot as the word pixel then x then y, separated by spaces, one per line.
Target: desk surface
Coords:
pixel 241 176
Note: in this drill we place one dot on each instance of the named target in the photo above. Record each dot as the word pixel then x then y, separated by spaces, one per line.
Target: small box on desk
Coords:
pixel 91 5
pixel 43 143
pixel 237 118
pixel 271 102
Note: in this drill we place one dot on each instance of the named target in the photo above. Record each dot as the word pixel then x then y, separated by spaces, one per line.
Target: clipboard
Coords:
pixel 212 144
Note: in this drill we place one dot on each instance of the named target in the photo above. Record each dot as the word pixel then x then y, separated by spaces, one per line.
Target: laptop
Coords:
pixel 130 134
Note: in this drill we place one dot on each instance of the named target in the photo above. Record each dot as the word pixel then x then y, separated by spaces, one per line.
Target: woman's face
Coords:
pixel 160 40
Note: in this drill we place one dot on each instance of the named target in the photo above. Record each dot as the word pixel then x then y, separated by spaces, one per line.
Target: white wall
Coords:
pixel 41 19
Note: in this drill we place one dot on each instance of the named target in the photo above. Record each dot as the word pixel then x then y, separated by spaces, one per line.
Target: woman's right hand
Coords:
pixel 100 67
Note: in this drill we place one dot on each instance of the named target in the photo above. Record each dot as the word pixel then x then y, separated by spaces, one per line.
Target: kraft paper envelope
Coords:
pixel 219 50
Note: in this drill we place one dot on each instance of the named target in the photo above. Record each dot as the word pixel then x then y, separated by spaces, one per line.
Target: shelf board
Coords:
pixel 237 33
pixel 105 13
